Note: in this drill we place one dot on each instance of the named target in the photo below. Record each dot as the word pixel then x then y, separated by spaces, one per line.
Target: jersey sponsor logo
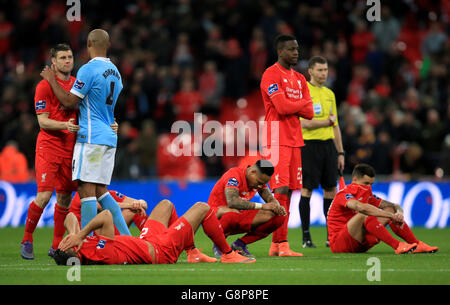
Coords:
pixel 41 105
pixel 272 88
pixel 101 244
pixel 79 84
pixel 120 195
pixel 233 182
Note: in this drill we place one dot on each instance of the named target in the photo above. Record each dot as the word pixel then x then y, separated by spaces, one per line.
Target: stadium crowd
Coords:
pixel 390 77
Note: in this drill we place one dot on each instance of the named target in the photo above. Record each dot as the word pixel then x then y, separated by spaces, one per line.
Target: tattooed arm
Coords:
pixel 236 202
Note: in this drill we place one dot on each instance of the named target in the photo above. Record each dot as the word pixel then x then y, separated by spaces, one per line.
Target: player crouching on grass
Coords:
pixel 357 218
pixel 162 239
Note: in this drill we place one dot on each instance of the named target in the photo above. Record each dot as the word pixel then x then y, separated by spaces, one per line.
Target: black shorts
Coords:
pixel 319 164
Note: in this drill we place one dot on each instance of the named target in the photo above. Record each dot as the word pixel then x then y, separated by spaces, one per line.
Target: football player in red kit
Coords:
pixel 286 98
pixel 357 218
pixel 162 239
pixel 230 199
pixel 54 148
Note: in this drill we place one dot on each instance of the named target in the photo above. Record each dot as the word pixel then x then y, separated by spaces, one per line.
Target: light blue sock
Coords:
pixel 107 202
pixel 88 210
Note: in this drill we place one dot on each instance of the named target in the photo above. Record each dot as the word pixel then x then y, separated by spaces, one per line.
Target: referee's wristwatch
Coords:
pixel 342 153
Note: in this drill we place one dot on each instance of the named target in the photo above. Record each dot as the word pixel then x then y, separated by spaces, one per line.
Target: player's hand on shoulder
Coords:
pixel 48 73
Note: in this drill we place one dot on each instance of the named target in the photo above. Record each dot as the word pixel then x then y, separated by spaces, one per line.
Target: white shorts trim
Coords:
pixel 93 163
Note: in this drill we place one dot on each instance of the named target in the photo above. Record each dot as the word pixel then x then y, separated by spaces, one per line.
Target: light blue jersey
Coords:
pixel 99 84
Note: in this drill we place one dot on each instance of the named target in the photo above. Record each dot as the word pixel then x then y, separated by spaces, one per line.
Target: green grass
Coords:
pixel 318 266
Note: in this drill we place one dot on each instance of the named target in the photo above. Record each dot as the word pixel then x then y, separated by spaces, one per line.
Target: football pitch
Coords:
pixel 317 267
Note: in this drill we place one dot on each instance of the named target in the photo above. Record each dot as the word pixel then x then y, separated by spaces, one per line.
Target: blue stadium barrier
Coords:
pixel 425 204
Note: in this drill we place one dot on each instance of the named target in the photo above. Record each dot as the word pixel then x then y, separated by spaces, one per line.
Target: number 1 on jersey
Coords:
pixel 110 99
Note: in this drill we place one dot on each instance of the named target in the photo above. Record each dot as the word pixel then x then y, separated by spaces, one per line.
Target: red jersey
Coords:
pixel 235 178
pixel 56 142
pixel 123 249
pixel 339 214
pixel 286 98
pixel 75 205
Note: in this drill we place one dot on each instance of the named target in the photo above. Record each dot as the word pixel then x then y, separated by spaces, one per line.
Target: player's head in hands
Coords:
pixel 62 58
pixel 287 50
pixel 259 173
pixel 98 43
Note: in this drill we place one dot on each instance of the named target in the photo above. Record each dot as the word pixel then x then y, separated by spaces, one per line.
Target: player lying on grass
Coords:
pixel 162 239
pixel 357 218
pixel 133 210
pixel 230 199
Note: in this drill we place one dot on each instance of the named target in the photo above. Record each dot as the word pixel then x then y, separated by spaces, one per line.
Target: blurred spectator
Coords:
pixel 147 142
pixel 432 138
pixel 211 85
pixel 386 30
pixel 412 163
pixel 360 42
pixel 187 101
pixel 6 29
pixel 126 153
pixel 13 164
pixel 434 40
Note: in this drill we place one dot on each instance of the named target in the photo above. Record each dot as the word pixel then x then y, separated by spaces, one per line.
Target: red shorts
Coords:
pixel 343 242
pixel 288 167
pixel 54 173
pixel 168 242
pixel 236 223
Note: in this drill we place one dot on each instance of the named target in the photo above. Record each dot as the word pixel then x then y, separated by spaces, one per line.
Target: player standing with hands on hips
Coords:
pixel 286 98
pixel 96 89
pixel 323 154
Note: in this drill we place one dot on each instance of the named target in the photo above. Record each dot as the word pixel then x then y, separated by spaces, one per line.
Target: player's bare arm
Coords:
pixel 266 195
pixel 102 222
pixel 67 99
pixel 46 123
pixel 370 210
pixel 234 201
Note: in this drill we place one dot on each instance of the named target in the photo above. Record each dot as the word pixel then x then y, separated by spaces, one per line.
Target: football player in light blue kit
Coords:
pixel 96 89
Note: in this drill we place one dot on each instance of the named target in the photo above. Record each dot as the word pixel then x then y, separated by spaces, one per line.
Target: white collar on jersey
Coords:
pixel 101 58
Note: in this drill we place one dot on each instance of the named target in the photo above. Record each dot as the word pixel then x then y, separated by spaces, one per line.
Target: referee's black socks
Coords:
pixel 305 211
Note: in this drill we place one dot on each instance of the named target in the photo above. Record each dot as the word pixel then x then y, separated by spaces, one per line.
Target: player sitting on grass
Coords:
pixel 230 199
pixel 162 239
pixel 357 218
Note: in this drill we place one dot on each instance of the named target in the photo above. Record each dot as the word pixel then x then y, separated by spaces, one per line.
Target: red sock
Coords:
pixel 213 229
pixel 280 234
pixel 263 230
pixel 173 217
pixel 59 229
pixel 33 216
pixel 139 220
pixel 404 231
pixel 376 228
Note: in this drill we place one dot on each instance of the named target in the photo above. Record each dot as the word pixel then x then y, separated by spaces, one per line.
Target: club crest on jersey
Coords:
pixel 41 105
pixel 233 182
pixel 79 84
pixel 101 244
pixel 272 88
pixel 348 196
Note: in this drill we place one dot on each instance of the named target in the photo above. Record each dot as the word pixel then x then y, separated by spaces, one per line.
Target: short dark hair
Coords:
pixel 316 60
pixel 281 39
pixel 362 170
pixel 265 167
pixel 59 47
pixel 61 257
